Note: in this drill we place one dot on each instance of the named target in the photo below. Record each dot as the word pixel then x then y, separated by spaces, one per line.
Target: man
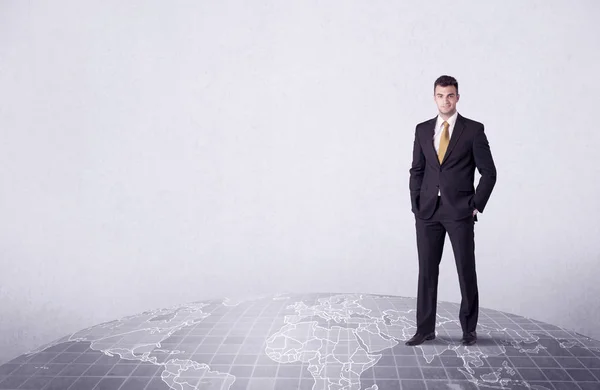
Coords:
pixel 446 151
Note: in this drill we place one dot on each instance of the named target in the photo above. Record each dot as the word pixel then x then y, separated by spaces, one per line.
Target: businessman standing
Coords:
pixel 447 150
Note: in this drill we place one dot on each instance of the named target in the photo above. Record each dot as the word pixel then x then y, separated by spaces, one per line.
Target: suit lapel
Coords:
pixel 430 133
pixel 459 126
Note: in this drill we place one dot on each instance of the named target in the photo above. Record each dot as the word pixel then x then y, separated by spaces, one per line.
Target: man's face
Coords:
pixel 446 99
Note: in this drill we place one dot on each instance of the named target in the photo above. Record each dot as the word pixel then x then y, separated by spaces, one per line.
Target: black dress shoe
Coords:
pixel 420 338
pixel 469 338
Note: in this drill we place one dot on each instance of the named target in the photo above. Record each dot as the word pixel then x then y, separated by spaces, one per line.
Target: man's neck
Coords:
pixel 447 116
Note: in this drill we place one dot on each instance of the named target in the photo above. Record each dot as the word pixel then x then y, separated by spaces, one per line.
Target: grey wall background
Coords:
pixel 154 153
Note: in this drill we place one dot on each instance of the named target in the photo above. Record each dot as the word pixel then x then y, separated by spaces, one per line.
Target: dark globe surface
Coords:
pixel 317 341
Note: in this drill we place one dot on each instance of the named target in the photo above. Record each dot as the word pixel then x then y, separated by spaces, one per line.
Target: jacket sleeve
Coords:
pixel 416 172
pixel 486 167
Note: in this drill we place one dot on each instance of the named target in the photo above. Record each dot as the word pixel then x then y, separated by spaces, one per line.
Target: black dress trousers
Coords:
pixel 431 234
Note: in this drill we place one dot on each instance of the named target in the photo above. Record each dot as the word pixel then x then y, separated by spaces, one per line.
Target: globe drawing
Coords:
pixel 309 341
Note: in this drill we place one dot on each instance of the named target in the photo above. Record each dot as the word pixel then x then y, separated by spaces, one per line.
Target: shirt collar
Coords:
pixel 451 121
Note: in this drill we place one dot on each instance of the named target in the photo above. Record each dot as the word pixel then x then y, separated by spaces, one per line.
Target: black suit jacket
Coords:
pixel 454 177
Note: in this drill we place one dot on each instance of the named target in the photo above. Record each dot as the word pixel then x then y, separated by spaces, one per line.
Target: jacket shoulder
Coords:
pixel 426 124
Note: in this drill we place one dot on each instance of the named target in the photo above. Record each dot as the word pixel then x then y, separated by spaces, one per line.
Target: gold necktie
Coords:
pixel 444 140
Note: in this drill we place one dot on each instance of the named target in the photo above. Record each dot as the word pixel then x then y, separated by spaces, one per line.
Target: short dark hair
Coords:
pixel 446 81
